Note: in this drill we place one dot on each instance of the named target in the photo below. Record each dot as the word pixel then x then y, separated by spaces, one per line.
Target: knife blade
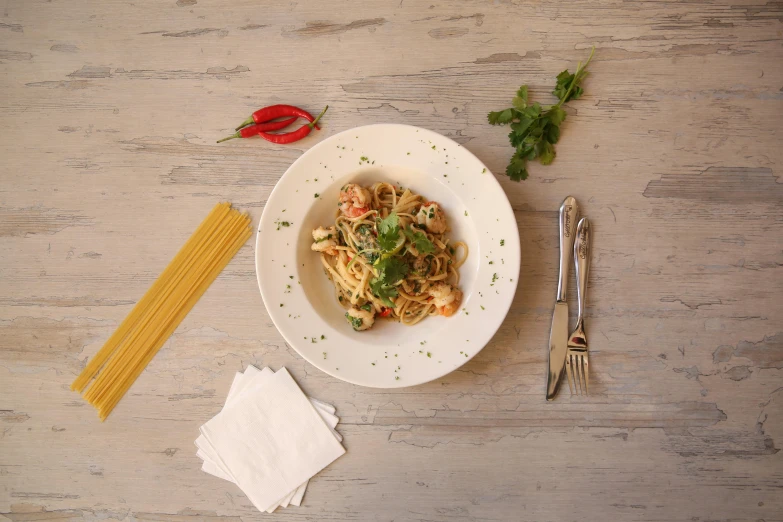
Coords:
pixel 558 335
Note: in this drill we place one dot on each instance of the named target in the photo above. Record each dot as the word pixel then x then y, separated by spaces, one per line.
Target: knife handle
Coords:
pixel 582 262
pixel 569 211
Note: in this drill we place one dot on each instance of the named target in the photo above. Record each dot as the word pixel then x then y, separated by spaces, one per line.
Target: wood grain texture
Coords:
pixel 108 116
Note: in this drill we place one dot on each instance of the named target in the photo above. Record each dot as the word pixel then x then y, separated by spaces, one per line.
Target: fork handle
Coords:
pixel 582 260
pixel 569 211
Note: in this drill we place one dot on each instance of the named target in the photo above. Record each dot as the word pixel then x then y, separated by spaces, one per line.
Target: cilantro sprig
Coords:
pixel 535 128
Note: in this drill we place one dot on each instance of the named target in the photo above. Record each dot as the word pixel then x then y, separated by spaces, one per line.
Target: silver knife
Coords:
pixel 558 336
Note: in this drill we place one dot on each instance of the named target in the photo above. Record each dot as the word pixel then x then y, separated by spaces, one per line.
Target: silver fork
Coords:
pixel 577 367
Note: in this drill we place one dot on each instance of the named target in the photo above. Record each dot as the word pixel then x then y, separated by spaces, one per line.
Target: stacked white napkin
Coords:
pixel 269 438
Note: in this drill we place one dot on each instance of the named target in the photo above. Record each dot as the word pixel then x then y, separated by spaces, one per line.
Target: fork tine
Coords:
pixel 569 373
pixel 577 372
pixel 586 374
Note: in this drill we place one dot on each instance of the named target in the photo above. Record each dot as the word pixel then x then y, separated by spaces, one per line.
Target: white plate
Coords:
pixel 300 299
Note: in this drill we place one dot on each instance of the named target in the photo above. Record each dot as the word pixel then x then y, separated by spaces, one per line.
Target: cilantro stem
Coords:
pixel 579 69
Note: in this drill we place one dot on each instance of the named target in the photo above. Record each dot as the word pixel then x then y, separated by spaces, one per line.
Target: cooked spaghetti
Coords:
pixel 388 256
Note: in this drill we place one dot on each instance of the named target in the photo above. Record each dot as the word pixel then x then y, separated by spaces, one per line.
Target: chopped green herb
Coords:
pixel 494 277
pixel 397 378
pixel 484 170
pixel 502 242
pixel 429 355
pixel 433 147
pixel 323 337
pixel 367 307
pixel 363 158
pixel 312 340
pixel 317 195
pixel 482 307
pixel 466 212
pixel 491 262
pixel 281 305
pixel 373 364
pixel 290 277
pixel 356 322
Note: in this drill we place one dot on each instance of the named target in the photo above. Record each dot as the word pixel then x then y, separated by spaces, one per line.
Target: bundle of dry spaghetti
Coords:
pixel 155 317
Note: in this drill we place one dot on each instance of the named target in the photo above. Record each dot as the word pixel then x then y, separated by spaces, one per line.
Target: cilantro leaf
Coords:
pixel 389 232
pixel 420 241
pixel 501 117
pixel 556 115
pixel 520 100
pixel 545 152
pixel 552 133
pixel 391 270
pixel 389 224
pixel 516 168
pixel 384 293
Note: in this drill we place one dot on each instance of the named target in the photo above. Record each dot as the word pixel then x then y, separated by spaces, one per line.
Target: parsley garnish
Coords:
pixel 502 242
pixel 536 128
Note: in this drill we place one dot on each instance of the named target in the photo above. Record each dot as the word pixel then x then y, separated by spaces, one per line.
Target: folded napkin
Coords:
pixel 269 439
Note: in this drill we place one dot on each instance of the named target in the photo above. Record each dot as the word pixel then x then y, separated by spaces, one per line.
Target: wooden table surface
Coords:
pixel 108 118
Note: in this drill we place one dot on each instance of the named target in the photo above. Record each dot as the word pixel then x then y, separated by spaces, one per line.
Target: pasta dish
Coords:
pixel 388 256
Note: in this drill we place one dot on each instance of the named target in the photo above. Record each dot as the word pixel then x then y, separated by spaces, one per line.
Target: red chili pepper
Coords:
pixel 290 137
pixel 253 130
pixel 385 312
pixel 277 111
